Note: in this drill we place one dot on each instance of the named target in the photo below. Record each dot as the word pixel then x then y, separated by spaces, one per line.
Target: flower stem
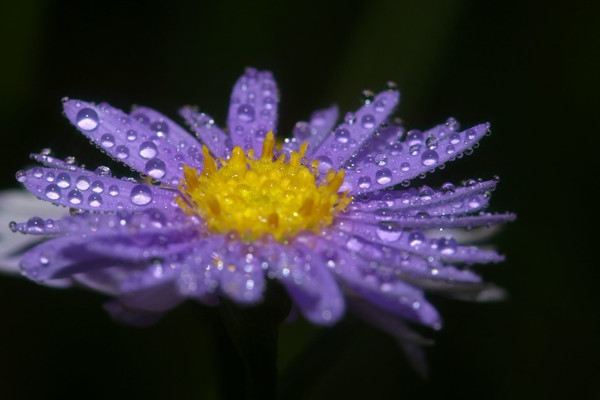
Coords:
pixel 254 333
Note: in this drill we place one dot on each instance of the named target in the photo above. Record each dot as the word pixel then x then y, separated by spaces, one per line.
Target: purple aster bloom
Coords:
pixel 222 213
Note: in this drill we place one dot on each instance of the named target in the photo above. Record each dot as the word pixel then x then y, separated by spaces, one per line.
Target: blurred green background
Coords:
pixel 529 68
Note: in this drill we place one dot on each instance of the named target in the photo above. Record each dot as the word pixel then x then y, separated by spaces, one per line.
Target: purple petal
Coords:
pixel 347 138
pixel 53 162
pixel 253 109
pixel 390 234
pixel 425 221
pixel 162 295
pixel 88 191
pixel 309 283
pixel 378 147
pixel 417 156
pixel 241 277
pixel 211 135
pixel 449 200
pixel 131 142
pixel 313 132
pixel 61 257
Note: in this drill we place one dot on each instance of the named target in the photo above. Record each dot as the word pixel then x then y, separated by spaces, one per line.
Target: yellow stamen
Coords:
pixel 262 196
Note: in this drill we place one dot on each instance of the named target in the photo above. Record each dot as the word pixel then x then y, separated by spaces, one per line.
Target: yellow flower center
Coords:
pixel 264 195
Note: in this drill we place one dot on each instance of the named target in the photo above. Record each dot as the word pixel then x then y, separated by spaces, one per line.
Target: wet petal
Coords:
pixel 415 156
pixel 347 138
pixel 131 142
pixel 253 109
pixel 207 131
pixel 86 190
pixel 313 132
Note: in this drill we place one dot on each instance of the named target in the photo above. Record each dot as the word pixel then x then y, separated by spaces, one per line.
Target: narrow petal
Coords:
pixel 313 132
pixel 390 234
pixel 414 156
pixel 425 221
pixel 131 142
pixel 253 109
pixel 310 284
pixel 347 138
pixel 207 131
pixel 241 278
pixel 89 191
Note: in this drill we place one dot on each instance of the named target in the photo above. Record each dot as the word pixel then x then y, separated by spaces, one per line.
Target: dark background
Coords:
pixel 530 69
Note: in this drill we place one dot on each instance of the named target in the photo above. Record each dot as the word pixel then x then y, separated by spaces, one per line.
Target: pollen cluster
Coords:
pixel 266 195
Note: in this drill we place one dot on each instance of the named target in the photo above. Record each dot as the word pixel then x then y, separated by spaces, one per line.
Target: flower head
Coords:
pixel 320 214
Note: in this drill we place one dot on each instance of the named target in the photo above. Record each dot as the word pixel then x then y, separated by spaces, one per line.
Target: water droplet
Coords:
pixel 122 152
pixel 245 113
pixel 70 160
pixel 102 171
pixel 429 157
pixel 367 96
pixel 155 168
pixel 425 193
pixel 448 188
pixel 141 118
pixel 379 105
pixel 302 131
pixel 97 187
pixel 364 182
pixel 50 176
pixel 87 119
pixel 52 192
pixel 35 224
pixel 342 135
pixel 37 172
pixel 415 149
pixel 388 231
pixel 113 190
pixel 140 195
pixel 447 245
pixel 21 176
pixel 450 149
pixel 380 159
pixel 405 166
pixel 368 121
pixel 452 124
pixel 325 163
pixel 131 135
pixel 160 128
pixel 75 197
pixel 454 138
pixel 383 176
pixel 107 140
pixel 95 200
pixel 431 142
pixel 82 183
pixel 395 149
pixel 416 239
pixel 413 137
pixel 148 150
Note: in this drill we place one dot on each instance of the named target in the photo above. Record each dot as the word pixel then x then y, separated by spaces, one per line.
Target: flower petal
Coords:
pixel 313 132
pixel 253 109
pixel 206 130
pixel 415 156
pixel 88 191
pixel 344 141
pixel 164 128
pixel 128 141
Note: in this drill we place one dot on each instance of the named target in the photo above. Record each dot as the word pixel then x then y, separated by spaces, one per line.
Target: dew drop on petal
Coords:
pixel 388 231
pixel 342 135
pixel 113 190
pixel 140 195
pixel 160 128
pixel 37 172
pixel 97 187
pixel 429 157
pixel 75 197
pixel 82 183
pixel 155 168
pixel 131 135
pixel 245 113
pixel 35 224
pixel 95 200
pixel 87 119
pixel 52 192
pixel 148 150
pixel 416 239
pixel 21 176
pixel 405 166
pixel 107 140
pixel 122 152
pixel 383 176
pixel 368 121
pixel 364 182
pixel 447 245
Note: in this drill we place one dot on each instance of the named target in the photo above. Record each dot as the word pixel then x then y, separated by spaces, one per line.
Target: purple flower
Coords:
pixel 221 216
